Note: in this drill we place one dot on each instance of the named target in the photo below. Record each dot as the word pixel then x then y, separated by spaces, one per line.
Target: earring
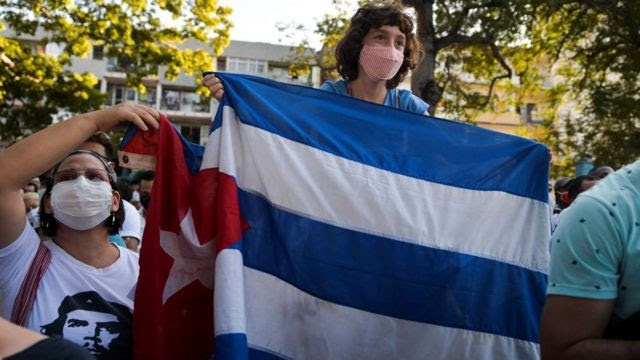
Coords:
pixel 112 220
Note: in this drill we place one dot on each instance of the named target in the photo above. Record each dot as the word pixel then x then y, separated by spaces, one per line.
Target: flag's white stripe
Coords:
pixel 287 321
pixel 228 293
pixel 342 192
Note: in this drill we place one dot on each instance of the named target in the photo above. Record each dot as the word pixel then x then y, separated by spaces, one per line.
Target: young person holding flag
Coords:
pixel 374 56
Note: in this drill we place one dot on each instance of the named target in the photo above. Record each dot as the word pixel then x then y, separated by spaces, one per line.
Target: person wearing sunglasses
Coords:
pixel 78 210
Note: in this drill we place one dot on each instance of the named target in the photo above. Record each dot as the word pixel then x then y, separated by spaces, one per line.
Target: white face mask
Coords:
pixel 81 204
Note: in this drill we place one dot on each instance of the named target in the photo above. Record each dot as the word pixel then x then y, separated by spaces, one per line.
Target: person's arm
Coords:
pixel 40 151
pixel 132 243
pixel 572 328
pixel 14 338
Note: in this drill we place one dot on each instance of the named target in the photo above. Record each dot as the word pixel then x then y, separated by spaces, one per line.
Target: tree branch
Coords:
pixel 496 54
pixel 450 39
pixel 455 29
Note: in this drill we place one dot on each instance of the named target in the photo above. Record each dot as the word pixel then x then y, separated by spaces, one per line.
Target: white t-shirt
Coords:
pixel 131 225
pixel 89 306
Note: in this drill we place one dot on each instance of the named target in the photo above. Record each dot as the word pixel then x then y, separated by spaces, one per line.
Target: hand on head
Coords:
pixel 140 115
pixel 214 85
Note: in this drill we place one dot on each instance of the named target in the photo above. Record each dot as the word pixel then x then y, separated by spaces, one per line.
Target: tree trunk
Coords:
pixel 423 82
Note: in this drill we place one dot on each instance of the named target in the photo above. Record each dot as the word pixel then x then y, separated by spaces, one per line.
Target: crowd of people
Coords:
pixel 71 227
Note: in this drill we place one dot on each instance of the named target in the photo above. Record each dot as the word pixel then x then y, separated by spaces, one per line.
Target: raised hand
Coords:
pixel 140 115
pixel 214 85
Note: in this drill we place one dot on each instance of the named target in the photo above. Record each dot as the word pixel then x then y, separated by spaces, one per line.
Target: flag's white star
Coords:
pixel 191 261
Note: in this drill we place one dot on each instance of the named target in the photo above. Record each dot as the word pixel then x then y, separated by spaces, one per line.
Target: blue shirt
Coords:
pixel 116 239
pixel 595 251
pixel 404 99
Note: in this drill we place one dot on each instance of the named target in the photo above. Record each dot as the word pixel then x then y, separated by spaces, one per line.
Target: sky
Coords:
pixel 256 20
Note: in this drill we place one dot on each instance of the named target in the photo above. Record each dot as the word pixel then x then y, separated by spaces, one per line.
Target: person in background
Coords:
pixel 146 185
pixel 560 194
pixel 573 188
pixel 601 172
pixel 135 200
pixel 592 309
pixel 131 228
pixel 579 185
pixel 374 56
pixel 32 207
pixel 31 201
pixel 30 187
pixel 44 181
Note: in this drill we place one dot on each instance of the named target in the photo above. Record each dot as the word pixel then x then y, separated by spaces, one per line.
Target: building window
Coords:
pixel 170 100
pixel 121 65
pixel 246 66
pixel 98 52
pixel 149 98
pixel 221 63
pixel 191 133
pixel 529 114
pixel 185 101
pixel 119 93
pixel 192 102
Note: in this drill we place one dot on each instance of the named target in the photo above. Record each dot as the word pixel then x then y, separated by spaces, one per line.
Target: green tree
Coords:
pixel 467 39
pixel 144 36
pixel 330 28
pixel 597 47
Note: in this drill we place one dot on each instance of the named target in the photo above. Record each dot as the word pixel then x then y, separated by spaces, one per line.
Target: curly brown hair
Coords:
pixel 374 16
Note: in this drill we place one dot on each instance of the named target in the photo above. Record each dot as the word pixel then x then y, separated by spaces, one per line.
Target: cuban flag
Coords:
pixel 318 226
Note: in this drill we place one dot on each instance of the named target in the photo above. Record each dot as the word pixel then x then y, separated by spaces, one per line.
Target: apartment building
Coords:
pixel 177 98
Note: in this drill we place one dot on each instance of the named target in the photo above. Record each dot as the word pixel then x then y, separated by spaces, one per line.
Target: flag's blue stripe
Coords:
pixel 235 347
pixel 428 148
pixel 231 347
pixel 390 277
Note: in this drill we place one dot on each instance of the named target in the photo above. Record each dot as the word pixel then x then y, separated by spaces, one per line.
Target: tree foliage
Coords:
pixel 330 28
pixel 143 35
pixel 596 44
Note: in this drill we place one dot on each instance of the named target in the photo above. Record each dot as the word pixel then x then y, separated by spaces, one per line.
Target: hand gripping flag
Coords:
pixel 346 230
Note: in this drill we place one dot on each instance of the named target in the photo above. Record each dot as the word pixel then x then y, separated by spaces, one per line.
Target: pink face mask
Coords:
pixel 380 62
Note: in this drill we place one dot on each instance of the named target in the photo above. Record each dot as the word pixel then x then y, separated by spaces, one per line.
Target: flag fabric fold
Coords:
pixel 320 226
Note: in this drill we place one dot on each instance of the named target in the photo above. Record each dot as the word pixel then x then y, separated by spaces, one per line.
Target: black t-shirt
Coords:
pixel 52 349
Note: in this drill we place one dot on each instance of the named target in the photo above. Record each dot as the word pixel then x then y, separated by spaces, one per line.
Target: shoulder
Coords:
pixel 27 242
pixel 589 244
pixel 131 258
pixel 336 87
pixel 131 225
pixel 410 102
pixel 128 207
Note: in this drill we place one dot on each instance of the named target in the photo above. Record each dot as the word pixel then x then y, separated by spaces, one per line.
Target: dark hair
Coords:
pixel 374 16
pixel 104 140
pixel 125 190
pixel 574 187
pixel 48 222
pixel 147 175
pixel 601 172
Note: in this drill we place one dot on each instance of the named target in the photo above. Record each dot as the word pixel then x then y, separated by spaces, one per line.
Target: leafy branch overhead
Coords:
pixel 597 48
pixel 146 37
